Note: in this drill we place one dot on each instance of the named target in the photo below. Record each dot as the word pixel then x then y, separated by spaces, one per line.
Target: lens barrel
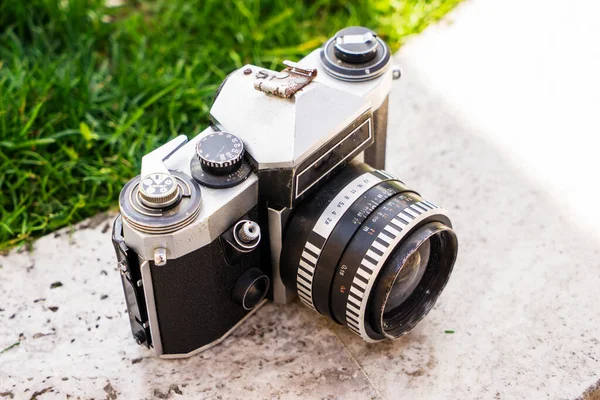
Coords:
pixel 351 253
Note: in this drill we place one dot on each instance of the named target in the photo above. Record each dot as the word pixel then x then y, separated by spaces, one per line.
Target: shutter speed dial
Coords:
pixel 220 153
pixel 219 162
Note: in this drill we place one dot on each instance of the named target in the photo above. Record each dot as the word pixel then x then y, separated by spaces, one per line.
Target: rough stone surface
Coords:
pixel 479 124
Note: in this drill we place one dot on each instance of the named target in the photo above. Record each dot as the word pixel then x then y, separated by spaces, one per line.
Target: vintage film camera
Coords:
pixel 282 196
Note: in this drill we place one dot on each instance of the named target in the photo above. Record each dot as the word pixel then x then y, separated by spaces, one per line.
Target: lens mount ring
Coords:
pixel 386 241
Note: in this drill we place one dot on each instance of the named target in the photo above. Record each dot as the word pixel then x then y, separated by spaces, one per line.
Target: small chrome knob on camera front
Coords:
pixel 159 190
pixel 248 233
pixel 220 153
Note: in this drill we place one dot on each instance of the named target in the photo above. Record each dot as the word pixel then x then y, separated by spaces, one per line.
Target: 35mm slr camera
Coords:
pixel 282 196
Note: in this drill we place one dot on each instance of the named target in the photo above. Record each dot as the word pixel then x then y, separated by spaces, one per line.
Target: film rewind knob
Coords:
pixel 159 190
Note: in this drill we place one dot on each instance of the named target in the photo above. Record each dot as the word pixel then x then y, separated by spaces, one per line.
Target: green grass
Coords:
pixel 86 90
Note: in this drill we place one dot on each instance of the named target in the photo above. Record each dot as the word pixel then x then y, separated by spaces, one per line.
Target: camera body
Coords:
pixel 201 237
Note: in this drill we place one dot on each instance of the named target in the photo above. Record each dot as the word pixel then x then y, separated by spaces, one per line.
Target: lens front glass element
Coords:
pixel 421 265
pixel 408 278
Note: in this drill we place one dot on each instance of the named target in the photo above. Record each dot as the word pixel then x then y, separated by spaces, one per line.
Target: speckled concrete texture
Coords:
pixel 477 124
pixel 63 304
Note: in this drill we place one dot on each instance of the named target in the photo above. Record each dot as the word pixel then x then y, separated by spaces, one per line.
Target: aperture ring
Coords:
pixel 379 251
pixel 324 227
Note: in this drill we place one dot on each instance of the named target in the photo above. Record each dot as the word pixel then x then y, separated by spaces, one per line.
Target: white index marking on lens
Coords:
pixel 352 300
pixel 306 283
pixel 379 246
pixel 430 203
pixel 313 248
pixel 352 314
pixel 353 325
pixel 385 238
pixel 306 265
pixel 304 275
pixel 411 212
pixel 363 273
pixel 391 230
pixel 417 209
pixel 373 255
pixel 302 290
pixel 422 207
pixel 309 257
pixel 396 223
pixel 399 223
pixel 353 308
pixel 366 263
pixel 404 218
pixel 356 292
pixel 360 283
pixel 351 322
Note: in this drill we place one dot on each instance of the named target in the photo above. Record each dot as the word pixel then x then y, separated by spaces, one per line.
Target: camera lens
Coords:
pixel 412 279
pixel 409 275
pixel 368 252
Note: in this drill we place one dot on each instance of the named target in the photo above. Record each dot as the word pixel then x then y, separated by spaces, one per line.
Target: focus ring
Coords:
pixel 349 265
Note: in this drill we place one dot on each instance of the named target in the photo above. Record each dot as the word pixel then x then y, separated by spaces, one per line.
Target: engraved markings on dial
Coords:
pixel 325 225
pixel 156 184
pixel 381 247
pixel 220 149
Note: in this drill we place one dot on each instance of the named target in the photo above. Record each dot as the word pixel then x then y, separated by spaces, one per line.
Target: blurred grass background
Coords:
pixel 89 86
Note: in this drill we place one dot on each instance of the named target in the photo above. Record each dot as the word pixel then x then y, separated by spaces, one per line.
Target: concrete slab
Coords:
pixel 64 305
pixel 481 123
